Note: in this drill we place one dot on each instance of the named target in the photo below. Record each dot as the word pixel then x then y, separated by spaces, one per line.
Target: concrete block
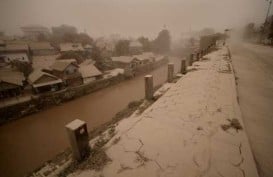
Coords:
pixel 149 87
pixel 170 72
pixel 78 138
pixel 183 67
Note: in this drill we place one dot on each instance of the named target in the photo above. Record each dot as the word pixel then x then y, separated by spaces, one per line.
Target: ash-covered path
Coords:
pixel 194 129
pixel 253 65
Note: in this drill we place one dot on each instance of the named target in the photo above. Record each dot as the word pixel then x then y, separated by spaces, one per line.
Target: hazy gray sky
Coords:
pixel 130 17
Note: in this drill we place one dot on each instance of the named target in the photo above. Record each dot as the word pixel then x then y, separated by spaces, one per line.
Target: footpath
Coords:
pixel 194 130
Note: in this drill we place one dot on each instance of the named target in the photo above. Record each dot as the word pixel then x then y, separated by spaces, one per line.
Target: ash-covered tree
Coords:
pixel 24 67
pixel 162 44
pixel 147 46
pixel 102 63
pixel 207 31
pixel 78 56
pixel 249 31
pixel 122 48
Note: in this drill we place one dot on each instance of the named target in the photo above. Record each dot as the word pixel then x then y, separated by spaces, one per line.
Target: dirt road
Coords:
pixel 253 65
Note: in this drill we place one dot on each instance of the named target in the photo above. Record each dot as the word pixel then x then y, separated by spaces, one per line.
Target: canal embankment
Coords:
pixel 194 129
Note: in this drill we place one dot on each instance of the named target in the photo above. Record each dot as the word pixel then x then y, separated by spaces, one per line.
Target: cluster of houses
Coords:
pixel 50 73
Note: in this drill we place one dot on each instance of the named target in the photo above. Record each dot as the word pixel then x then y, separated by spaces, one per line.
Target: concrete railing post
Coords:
pixel 183 67
pixel 78 138
pixel 149 87
pixel 191 59
pixel 197 56
pixel 170 72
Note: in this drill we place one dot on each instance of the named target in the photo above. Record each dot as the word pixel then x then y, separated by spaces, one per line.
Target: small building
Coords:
pixel 145 58
pixel 34 32
pixel 135 47
pixel 68 71
pixel 122 61
pixel 88 48
pixel 11 83
pixel 67 47
pixel 43 62
pixel 11 52
pixel 44 82
pixel 42 49
pixel 89 73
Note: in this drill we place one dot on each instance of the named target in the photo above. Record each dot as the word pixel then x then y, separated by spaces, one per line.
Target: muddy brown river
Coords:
pixel 27 143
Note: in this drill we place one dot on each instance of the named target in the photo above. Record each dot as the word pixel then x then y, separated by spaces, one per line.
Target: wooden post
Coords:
pixel 170 72
pixel 183 67
pixel 78 138
pixel 149 87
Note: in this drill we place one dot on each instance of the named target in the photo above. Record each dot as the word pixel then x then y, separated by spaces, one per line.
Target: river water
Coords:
pixel 27 143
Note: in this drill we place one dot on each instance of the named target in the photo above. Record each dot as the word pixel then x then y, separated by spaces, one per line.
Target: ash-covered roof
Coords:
pixel 88 62
pixel 13 77
pixel 89 71
pixel 65 47
pixel 123 59
pixel 61 65
pixel 36 74
pixel 135 44
pixel 40 46
pixel 14 47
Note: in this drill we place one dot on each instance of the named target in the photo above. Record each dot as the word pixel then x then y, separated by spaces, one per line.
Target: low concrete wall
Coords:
pixel 38 103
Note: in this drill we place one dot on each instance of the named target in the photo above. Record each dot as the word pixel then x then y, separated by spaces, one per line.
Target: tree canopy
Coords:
pixel 122 48
pixel 162 43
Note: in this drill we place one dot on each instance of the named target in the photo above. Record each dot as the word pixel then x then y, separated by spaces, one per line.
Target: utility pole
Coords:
pixel 268 10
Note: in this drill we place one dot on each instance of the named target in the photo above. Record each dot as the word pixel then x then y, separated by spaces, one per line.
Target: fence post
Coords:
pixel 149 87
pixel 170 72
pixel 78 138
pixel 183 67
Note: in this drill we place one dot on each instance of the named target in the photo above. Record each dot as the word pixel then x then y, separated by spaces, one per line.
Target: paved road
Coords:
pixel 253 65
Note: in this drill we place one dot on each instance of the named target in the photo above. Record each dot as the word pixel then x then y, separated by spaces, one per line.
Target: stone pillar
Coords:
pixel 149 87
pixel 191 59
pixel 170 72
pixel 78 138
pixel 183 67
pixel 197 56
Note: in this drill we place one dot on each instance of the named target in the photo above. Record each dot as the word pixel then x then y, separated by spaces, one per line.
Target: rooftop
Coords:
pixel 15 47
pixel 124 59
pixel 11 76
pixel 135 44
pixel 40 46
pixel 61 65
pixel 71 47
pixel 89 71
pixel 36 74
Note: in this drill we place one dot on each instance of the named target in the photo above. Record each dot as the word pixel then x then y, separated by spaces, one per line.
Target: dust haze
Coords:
pixel 130 18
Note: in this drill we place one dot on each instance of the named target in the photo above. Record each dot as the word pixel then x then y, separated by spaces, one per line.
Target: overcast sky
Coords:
pixel 131 17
